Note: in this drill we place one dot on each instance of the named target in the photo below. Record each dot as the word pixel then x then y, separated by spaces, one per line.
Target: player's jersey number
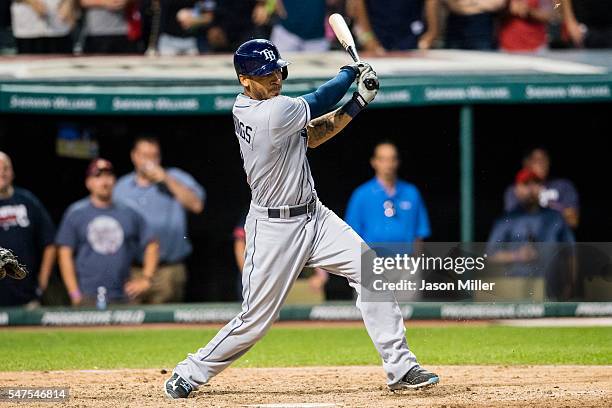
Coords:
pixel 244 131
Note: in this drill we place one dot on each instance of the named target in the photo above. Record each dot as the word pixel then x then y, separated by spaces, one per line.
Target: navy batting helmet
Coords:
pixel 259 58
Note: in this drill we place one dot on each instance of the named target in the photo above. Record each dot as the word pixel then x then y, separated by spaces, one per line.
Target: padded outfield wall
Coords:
pixel 329 312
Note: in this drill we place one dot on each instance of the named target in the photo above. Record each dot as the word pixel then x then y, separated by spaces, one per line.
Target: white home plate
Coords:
pixel 296 405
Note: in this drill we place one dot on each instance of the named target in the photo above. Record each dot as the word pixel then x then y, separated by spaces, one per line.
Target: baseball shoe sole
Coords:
pixel 415 379
pixel 177 387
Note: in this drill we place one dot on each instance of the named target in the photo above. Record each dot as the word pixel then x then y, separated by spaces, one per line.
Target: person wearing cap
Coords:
pixel 516 236
pixel 98 240
pixel 556 193
pixel 27 230
pixel 163 196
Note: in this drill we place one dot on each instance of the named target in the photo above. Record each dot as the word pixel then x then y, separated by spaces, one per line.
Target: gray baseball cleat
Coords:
pixel 177 387
pixel 414 379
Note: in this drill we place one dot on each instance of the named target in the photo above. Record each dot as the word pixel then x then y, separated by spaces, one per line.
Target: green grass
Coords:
pixel 56 349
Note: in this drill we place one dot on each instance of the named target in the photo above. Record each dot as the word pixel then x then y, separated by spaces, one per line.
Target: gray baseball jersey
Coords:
pixel 273 144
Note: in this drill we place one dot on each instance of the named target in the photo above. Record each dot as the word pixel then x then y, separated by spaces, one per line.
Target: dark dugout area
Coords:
pixel 428 139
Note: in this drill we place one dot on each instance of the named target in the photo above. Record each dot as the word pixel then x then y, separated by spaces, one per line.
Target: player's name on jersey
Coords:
pixel 424 285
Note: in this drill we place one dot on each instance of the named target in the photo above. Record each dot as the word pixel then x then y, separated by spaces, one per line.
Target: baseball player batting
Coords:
pixel 287 227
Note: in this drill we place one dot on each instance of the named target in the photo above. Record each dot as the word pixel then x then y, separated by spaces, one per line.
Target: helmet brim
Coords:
pixel 268 68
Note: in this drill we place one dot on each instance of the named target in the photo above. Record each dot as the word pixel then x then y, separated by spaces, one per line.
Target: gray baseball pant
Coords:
pixel 276 252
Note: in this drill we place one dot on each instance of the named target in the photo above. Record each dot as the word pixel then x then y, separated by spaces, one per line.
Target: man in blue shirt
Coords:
pixel 387 209
pixel 98 240
pixel 300 26
pixel 163 197
pixel 517 238
pixel 383 210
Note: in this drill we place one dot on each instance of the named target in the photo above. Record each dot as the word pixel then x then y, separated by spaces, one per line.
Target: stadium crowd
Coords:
pixel 190 27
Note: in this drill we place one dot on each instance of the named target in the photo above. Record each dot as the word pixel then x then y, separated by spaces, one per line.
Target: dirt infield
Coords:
pixel 460 386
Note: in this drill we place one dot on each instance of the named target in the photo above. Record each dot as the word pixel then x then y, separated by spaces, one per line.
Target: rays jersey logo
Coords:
pixel 267 54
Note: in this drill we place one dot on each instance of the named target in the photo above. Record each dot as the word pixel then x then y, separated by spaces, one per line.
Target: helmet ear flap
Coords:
pixel 285 72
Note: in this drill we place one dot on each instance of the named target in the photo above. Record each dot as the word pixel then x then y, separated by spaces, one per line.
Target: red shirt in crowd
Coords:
pixel 524 34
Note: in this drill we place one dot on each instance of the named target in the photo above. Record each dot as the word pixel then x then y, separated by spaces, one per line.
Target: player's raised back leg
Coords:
pixel 340 250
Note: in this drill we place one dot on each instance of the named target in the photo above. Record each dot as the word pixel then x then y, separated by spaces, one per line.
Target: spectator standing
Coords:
pixel 470 24
pixel 524 26
pixel 386 208
pixel 98 240
pixel 588 22
pixel 43 26
pixel 163 197
pixel 558 194
pixel 513 236
pixel 382 210
pixel 27 230
pixel 107 27
pixel 233 22
pixel 300 26
pixel 396 24
pixel 175 25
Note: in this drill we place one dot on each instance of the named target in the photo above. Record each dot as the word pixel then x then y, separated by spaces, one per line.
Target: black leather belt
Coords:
pixel 288 212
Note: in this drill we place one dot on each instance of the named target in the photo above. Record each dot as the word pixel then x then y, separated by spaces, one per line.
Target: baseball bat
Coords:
pixel 344 36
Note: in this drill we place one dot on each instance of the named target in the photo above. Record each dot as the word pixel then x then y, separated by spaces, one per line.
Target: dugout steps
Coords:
pixel 332 311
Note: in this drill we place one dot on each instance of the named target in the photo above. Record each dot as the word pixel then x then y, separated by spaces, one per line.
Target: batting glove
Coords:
pixel 359 68
pixel 364 68
pixel 367 88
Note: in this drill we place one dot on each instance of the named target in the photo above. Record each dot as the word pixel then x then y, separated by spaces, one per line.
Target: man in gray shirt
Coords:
pixel 98 240
pixel 163 197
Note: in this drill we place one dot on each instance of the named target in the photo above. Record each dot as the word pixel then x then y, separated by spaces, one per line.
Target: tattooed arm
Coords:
pixel 323 128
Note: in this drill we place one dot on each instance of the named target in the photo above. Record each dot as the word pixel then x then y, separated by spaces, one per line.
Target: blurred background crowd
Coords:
pixel 127 240
pixel 123 235
pixel 190 27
